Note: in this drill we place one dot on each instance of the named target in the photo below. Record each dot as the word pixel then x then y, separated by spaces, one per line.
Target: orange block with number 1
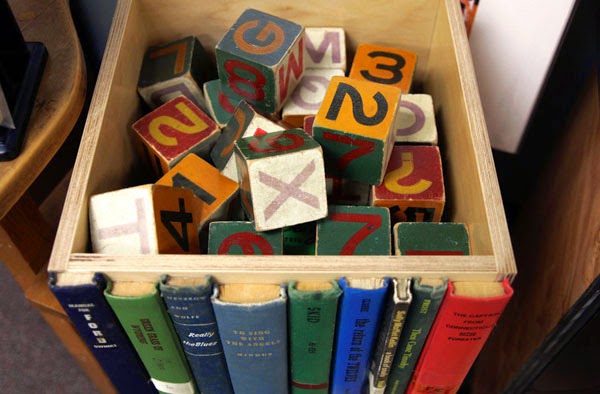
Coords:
pixel 413 187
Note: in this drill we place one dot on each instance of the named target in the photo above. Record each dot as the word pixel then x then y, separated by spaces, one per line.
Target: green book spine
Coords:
pixel 312 315
pixel 149 328
pixel 421 315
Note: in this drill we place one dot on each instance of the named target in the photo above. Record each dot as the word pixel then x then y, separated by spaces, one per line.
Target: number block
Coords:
pixel 174 130
pixel 416 120
pixel 147 219
pixel 261 59
pixel 352 230
pixel 428 239
pixel 178 68
pixel 219 106
pixel 308 95
pixel 245 122
pixel 282 179
pixel 413 188
pixel 213 191
pixel 300 239
pixel 325 47
pixel 380 64
pixel 355 125
pixel 342 191
pixel 241 238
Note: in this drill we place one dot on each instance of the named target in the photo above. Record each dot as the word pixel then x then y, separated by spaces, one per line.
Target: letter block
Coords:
pixel 282 179
pixel 174 130
pixel 241 238
pixel 413 188
pixel 178 68
pixel 245 122
pixel 146 219
pixel 355 125
pixel 261 59
pixel 428 239
pixel 325 47
pixel 416 120
pixel 342 191
pixel 308 95
pixel 300 239
pixel 219 106
pixel 213 191
pixel 380 64
pixel 353 230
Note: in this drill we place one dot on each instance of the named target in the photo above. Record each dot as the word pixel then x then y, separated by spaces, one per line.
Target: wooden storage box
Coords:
pixel 432 28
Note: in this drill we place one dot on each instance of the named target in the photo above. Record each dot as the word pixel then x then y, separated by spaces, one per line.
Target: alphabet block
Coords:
pixel 428 239
pixel 261 59
pixel 413 188
pixel 240 238
pixel 308 95
pixel 352 230
pixel 300 239
pixel 174 130
pixel 282 179
pixel 245 122
pixel 342 191
pixel 416 120
pixel 355 125
pixel 177 68
pixel 325 47
pixel 145 219
pixel 380 64
pixel 220 106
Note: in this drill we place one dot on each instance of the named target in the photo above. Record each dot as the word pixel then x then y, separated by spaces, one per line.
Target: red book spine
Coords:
pixel 458 334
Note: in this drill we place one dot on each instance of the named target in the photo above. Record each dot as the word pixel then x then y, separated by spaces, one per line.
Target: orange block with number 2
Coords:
pixel 413 187
pixel 380 64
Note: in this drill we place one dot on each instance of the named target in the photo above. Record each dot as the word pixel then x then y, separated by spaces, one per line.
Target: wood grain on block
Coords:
pixel 177 68
pixel 147 219
pixel 381 64
pixel 415 123
pixel 355 125
pixel 342 191
pixel 429 239
pixel 261 59
pixel 325 47
pixel 413 188
pixel 354 230
pixel 282 178
pixel 308 95
pixel 300 239
pixel 174 130
pixel 220 106
pixel 241 238
pixel 213 191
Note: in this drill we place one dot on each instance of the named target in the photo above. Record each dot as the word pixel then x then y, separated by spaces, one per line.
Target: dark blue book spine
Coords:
pixel 192 314
pixel 100 329
pixel 359 314
pixel 255 342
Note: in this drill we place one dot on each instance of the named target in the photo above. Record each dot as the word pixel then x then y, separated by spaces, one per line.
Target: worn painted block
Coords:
pixel 413 188
pixel 261 59
pixel 354 230
pixel 381 64
pixel 245 122
pixel 220 107
pixel 342 191
pixel 416 120
pixel 428 239
pixel 173 69
pixel 241 238
pixel 174 130
pixel 355 125
pixel 325 47
pixel 309 121
pixel 308 95
pixel 300 239
pixel 213 190
pixel 147 219
pixel 282 178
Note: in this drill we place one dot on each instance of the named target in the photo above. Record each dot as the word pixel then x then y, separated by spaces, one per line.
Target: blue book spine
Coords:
pixel 359 315
pixel 98 326
pixel 191 311
pixel 255 343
